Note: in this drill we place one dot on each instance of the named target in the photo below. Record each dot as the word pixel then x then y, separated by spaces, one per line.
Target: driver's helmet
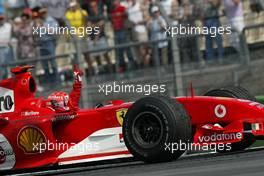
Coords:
pixel 59 100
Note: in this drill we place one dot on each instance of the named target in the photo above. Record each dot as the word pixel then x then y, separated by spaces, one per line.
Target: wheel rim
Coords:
pixel 147 129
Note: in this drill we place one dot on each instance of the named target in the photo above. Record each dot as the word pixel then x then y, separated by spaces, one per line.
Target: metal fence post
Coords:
pixel 78 63
pixel 177 72
pixel 156 60
pixel 78 53
pixel 244 53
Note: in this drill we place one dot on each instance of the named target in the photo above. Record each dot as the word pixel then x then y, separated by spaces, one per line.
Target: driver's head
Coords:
pixel 59 100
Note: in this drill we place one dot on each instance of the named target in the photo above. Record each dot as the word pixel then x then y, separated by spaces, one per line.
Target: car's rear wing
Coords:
pixel 15 90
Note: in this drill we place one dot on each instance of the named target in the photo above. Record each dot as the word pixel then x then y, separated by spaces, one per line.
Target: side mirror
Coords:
pixel 3 122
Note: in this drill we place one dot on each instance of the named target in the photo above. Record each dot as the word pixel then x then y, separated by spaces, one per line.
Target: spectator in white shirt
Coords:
pixel 157 27
pixel 138 16
pixel 235 15
pixel 5 49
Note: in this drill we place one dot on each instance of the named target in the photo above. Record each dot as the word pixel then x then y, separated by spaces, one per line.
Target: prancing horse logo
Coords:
pixel 120 115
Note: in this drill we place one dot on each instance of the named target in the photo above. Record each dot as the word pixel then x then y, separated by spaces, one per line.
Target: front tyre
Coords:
pixel 152 124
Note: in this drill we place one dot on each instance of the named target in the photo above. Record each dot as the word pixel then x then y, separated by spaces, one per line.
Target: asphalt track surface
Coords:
pixel 246 163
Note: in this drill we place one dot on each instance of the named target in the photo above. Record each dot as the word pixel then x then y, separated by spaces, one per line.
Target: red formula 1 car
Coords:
pixel 34 132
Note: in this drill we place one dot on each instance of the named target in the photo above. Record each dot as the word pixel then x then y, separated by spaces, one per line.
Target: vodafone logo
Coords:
pixel 2 155
pixel 221 137
pixel 220 111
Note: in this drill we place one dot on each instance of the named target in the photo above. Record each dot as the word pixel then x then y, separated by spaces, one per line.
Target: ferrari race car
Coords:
pixel 34 134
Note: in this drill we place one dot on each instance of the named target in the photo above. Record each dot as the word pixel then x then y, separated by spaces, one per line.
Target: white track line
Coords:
pixel 209 153
pixel 49 172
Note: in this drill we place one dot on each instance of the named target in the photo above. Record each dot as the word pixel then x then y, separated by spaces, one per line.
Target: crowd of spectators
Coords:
pixel 130 21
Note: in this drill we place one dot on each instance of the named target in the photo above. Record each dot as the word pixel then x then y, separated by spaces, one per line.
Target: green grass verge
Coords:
pixel 258 143
pixel 260 99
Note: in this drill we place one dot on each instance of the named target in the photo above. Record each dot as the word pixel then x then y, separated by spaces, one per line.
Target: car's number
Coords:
pixel 6 100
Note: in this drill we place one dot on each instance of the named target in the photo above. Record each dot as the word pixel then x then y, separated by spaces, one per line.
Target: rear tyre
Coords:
pixel 240 93
pixel 231 92
pixel 152 124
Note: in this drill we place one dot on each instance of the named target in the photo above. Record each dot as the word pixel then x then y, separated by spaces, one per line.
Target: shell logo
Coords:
pixel 120 114
pixel 29 138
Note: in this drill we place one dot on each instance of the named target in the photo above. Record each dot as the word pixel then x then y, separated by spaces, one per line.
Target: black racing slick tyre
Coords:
pixel 155 127
pixel 231 92
pixel 240 93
